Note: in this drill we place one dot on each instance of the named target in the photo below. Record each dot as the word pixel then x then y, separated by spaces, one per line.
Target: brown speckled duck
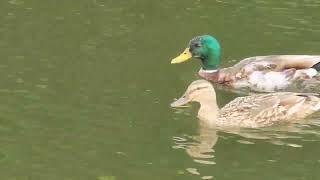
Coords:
pixel 253 111
pixel 260 73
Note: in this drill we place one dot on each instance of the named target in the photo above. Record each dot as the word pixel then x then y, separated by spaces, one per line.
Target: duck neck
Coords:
pixel 211 59
pixel 209 110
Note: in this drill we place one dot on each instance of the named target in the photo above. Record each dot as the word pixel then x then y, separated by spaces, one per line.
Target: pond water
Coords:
pixel 86 87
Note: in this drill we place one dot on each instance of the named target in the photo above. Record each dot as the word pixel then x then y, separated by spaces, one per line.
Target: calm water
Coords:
pixel 86 86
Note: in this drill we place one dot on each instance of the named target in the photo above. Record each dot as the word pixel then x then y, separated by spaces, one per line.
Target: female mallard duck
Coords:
pixel 254 111
pixel 260 73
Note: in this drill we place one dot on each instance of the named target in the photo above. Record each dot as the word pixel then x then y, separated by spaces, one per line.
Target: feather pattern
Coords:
pixel 259 110
pixel 266 73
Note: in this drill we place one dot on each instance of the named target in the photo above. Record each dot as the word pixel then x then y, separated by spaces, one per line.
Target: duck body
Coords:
pixel 259 73
pixel 268 109
pixel 265 73
pixel 260 110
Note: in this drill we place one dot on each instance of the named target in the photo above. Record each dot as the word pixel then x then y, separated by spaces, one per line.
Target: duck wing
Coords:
pixel 275 63
pixel 269 109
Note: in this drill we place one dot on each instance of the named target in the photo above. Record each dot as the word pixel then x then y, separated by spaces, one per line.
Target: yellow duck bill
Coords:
pixel 186 55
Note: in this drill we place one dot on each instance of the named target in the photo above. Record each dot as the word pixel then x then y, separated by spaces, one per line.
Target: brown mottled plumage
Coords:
pixel 254 111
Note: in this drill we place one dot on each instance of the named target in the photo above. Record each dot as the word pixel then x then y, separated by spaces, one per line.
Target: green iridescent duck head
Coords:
pixel 206 48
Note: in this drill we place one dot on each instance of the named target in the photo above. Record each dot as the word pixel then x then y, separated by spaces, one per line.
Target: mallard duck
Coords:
pixel 260 73
pixel 259 110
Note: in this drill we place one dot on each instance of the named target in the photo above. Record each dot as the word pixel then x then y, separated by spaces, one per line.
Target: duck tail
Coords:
pixel 317 106
pixel 316 67
pixel 316 100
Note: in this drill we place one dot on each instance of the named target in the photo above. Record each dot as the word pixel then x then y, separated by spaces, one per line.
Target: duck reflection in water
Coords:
pixel 200 147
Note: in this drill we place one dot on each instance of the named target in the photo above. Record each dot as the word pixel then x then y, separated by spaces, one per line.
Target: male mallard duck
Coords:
pixel 254 111
pixel 260 73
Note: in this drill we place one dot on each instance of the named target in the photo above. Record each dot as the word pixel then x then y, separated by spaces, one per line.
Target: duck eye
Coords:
pixel 199 88
pixel 197 45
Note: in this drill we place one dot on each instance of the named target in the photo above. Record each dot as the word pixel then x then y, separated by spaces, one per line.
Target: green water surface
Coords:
pixel 86 87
